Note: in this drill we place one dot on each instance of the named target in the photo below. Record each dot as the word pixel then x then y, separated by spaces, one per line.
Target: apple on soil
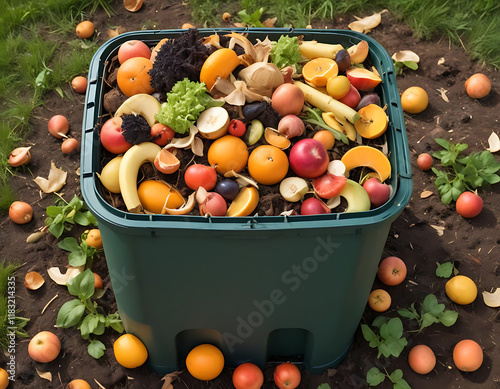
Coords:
pixel 112 136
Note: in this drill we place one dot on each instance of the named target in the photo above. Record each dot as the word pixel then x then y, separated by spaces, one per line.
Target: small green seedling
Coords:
pixel 84 313
pixel 390 340
pixel 253 19
pixel 63 216
pixel 461 173
pixel 400 66
pixel 431 312
pixel 375 377
pixel 445 269
pixel 80 254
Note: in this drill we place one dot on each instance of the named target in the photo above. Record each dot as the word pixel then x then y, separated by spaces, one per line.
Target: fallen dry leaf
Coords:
pixel 169 378
pixel 269 22
pixel 45 375
pixel 117 31
pixel 133 5
pixel 492 299
pixel 494 143
pixel 365 25
pixel 426 193
pixel 439 229
pixel 55 181
pixel 443 92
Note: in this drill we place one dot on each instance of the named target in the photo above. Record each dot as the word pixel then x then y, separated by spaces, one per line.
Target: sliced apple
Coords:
pixel 363 79
pixel 141 104
pixel 274 138
pixel 213 123
pixel 359 52
pixel 373 121
pixel 293 189
pixel 356 197
pixel 370 157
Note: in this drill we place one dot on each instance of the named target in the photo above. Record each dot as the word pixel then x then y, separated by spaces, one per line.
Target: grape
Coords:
pixel 228 189
pixel 343 60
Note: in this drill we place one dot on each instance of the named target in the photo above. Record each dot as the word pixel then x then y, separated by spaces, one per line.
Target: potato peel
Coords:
pixel 492 299
pixel 55 180
pixel 365 25
pixel 494 143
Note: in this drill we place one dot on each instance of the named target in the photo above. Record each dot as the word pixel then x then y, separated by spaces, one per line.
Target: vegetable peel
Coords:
pixel 55 181
pixel 366 24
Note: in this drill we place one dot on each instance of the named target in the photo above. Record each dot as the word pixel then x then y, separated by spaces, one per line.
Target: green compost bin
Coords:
pixel 260 288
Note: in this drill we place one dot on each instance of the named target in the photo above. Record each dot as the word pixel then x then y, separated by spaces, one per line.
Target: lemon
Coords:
pixel 461 290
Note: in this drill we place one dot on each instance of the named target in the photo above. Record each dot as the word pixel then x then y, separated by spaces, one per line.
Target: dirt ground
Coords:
pixel 470 243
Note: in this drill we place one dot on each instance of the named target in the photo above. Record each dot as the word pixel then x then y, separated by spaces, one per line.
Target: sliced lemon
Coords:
pixel 245 203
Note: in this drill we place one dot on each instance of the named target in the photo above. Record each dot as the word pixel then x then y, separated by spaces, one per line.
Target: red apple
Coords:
pixel 352 98
pixel 44 347
pixel 112 137
pixel 290 126
pixel 133 48
pixel 363 79
pixel 308 158
pixel 378 192
pixel 161 134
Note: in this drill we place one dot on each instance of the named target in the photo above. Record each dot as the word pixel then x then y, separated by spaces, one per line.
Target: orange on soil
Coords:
pixel 78 384
pixel 4 378
pixel 245 203
pixel 228 153
pixel 129 351
pixel 326 138
pixel 268 164
pixel 379 300
pixel 205 362
pixel 319 70
pixel 133 77
pixel 414 100
pixel 94 238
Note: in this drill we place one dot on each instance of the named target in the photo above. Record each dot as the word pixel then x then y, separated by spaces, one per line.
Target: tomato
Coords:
pixel 237 128
pixel 424 161
pixel 478 86
pixel 328 185
pixel 467 355
pixel 200 175
pixel 161 134
pixel 268 164
pixel 205 362
pixel 379 300
pixel 129 351
pixel 469 205
pixel 392 271
pixel 248 376
pixel 133 76
pixel 287 376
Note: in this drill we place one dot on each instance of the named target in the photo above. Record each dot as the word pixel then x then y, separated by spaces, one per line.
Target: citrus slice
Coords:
pixel 319 70
pixel 166 162
pixel 245 203
pixel 373 121
pixel 277 139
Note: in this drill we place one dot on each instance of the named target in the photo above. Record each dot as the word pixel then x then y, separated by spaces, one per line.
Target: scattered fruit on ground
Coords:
pixel 4 378
pixel 414 100
pixel 461 290
pixel 467 355
pixel 469 204
pixel 392 271
pixel 44 347
pixel 205 362
pixel 129 351
pixel 478 86
pixel 422 359
pixel 20 212
pixel 379 300
pixel 424 161
pixel 94 238
pixel 85 29
pixel 287 376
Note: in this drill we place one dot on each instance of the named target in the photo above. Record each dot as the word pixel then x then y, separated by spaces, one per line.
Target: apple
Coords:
pixel 287 376
pixel 133 48
pixel 378 192
pixel 161 134
pixel 112 136
pixel 44 347
pixel 308 158
pixel 363 79
pixel 352 98
pixel 290 126
pixel 313 206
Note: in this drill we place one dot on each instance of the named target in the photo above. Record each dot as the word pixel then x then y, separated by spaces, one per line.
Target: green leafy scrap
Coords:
pixel 285 52
pixel 430 312
pixel 63 216
pixel 253 19
pixel 81 254
pixel 445 269
pixel 400 66
pixel 390 340
pixel 375 377
pixel 460 173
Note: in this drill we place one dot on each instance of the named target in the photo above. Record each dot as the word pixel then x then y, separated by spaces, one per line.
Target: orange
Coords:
pixel 326 138
pixel 319 70
pixel 379 300
pixel 268 164
pixel 245 203
pixel 4 378
pixel 414 100
pixel 133 77
pixel 129 351
pixel 467 355
pixel 461 290
pixel 228 153
pixel 79 384
pixel 205 362
pixel 154 194
pixel 94 239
